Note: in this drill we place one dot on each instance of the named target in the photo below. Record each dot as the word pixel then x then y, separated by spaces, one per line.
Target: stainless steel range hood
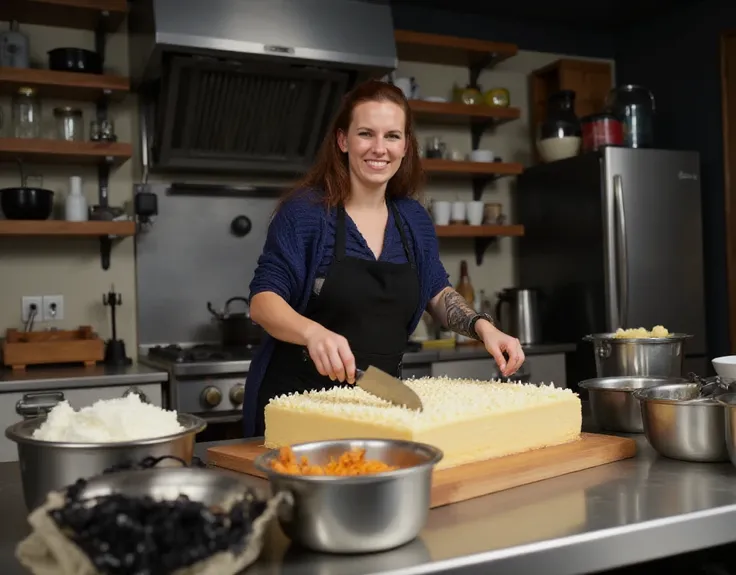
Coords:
pixel 250 85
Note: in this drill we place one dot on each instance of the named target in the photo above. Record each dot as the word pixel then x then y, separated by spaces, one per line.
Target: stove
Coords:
pixel 201 359
pixel 207 380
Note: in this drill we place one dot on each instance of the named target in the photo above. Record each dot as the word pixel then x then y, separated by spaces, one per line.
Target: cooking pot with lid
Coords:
pixel 237 328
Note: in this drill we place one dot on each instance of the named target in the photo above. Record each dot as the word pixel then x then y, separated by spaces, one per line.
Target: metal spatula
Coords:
pixel 393 390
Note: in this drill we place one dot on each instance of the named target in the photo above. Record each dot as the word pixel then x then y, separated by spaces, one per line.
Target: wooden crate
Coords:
pixel 61 346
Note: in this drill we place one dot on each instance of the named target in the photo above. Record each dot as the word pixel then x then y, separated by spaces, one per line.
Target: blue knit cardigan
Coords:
pixel 294 249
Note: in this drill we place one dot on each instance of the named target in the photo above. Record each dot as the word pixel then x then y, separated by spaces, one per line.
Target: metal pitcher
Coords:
pixel 521 316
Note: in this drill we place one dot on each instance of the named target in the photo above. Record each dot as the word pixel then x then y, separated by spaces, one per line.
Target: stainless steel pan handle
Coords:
pixel 622 256
pixel 38 403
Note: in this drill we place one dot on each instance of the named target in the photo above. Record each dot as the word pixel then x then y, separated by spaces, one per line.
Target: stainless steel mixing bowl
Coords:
pixel 358 514
pixel 680 425
pixel 660 357
pixel 612 401
pixel 51 465
pixel 209 486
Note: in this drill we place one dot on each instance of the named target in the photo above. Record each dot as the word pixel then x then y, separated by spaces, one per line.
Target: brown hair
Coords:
pixel 331 174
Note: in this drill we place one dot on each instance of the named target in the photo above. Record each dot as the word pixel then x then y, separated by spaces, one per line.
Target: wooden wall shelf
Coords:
pixel 458 113
pixel 60 151
pixel 496 169
pixel 64 85
pixel 450 50
pixel 80 14
pixel 467 231
pixel 64 228
pixel 101 17
pixel 482 236
pixel 476 56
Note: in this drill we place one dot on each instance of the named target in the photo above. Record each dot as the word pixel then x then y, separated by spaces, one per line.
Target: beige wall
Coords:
pixel 71 267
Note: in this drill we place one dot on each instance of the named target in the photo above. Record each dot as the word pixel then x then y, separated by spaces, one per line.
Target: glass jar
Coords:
pixel 559 135
pixel 600 130
pixel 69 124
pixel 561 120
pixel 26 113
pixel 102 131
pixel 435 148
pixel 634 107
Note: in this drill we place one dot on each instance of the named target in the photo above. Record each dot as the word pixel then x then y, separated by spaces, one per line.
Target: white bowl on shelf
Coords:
pixel 725 366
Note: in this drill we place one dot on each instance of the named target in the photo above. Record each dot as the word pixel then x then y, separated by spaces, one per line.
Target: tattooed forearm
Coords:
pixel 459 314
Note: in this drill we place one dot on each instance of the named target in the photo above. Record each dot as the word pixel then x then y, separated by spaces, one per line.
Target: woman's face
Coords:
pixel 375 142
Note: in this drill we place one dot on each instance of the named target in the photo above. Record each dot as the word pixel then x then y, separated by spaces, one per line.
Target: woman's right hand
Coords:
pixel 330 353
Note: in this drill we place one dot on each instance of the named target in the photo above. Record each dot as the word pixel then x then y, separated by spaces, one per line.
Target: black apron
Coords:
pixel 369 302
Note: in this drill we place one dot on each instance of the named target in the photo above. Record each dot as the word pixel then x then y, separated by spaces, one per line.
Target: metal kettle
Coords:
pixel 521 318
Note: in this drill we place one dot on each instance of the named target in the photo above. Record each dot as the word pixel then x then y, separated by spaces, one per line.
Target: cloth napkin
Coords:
pixel 47 551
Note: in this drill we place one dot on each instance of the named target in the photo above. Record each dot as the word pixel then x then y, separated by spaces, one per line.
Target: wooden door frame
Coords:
pixel 728 124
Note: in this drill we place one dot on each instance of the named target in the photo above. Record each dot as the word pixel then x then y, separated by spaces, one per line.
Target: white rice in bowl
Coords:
pixel 107 421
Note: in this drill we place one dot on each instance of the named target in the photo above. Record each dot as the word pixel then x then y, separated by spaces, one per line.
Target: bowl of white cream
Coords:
pixel 57 449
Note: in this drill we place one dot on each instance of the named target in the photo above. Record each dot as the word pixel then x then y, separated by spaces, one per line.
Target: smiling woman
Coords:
pixel 351 262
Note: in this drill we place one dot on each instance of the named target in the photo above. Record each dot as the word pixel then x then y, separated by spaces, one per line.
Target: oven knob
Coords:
pixel 211 396
pixel 237 394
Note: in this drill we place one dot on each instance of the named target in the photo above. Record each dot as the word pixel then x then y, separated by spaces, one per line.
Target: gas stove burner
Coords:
pixel 194 354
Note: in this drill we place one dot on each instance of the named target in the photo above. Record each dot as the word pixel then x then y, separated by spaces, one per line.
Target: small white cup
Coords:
pixel 475 213
pixel 481 156
pixel 458 212
pixel 441 213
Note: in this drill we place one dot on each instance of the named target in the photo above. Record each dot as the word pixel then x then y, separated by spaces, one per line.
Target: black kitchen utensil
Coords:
pixel 75 60
pixel 26 203
pixel 114 348
pixel 237 328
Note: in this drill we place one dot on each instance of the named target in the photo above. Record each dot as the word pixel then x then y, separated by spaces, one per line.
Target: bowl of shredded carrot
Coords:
pixel 352 495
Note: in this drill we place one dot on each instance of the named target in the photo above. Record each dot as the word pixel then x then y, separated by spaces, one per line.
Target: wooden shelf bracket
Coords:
pixel 477 129
pixel 481 245
pixel 479 185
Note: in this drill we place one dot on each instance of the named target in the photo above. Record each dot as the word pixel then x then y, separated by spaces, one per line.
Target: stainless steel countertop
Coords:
pixel 614 515
pixel 477 352
pixel 42 378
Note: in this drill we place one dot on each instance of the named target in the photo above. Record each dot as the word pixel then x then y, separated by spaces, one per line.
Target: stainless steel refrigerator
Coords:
pixel 614 239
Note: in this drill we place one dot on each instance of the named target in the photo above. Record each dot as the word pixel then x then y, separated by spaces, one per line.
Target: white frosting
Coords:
pixel 444 400
pixel 107 421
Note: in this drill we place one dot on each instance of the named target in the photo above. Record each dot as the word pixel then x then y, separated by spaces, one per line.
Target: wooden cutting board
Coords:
pixel 471 480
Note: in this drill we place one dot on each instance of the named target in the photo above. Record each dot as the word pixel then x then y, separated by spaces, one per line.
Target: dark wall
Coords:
pixel 676 55
pixel 678 58
pixel 528 36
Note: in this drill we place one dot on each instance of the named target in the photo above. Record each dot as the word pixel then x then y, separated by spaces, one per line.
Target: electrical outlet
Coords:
pixel 53 307
pixel 27 303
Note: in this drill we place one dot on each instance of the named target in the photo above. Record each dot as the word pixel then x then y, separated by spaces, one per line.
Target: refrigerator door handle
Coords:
pixel 622 257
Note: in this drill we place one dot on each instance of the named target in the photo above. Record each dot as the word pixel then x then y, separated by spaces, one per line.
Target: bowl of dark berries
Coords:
pixel 154 521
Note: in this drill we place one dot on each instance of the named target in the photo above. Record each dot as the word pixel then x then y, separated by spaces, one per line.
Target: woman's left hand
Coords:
pixel 497 343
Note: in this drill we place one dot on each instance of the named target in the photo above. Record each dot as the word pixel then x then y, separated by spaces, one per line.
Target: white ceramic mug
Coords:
pixel 475 213
pixel 458 212
pixel 441 213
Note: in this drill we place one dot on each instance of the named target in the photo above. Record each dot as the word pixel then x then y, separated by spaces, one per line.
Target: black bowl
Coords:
pixel 75 60
pixel 26 203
